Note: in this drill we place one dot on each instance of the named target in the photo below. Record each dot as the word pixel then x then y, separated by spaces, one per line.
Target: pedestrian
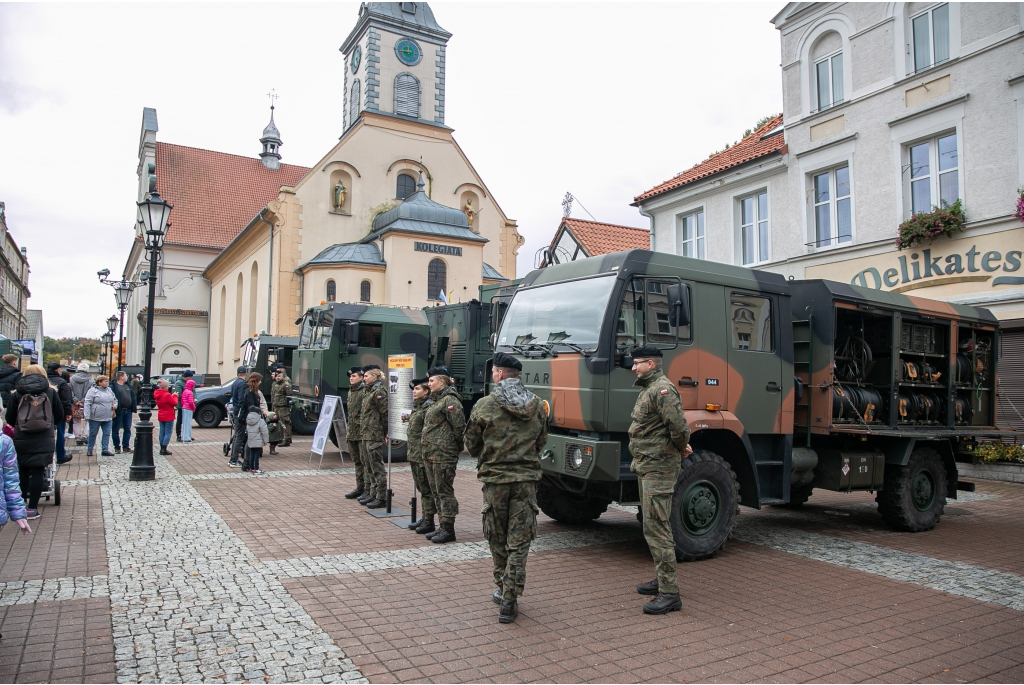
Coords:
pixel 420 401
pixel 238 388
pixel 100 407
pixel 80 384
pixel 274 429
pixel 9 375
pixel 252 400
pixel 444 423
pixel 33 413
pixel 166 401
pixel 280 402
pixel 55 377
pixel 374 418
pixel 353 433
pixel 188 408
pixel 179 390
pixel 127 405
pixel 136 383
pixel 658 440
pixel 257 435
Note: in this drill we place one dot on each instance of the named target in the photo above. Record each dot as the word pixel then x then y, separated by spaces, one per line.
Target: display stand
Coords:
pixel 401 368
pixel 332 414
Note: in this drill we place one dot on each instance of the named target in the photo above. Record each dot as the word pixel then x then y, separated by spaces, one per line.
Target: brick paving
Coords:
pixel 215 575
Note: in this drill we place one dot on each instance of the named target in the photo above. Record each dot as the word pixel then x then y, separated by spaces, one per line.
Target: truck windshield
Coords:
pixel 306 334
pixel 317 327
pixel 561 313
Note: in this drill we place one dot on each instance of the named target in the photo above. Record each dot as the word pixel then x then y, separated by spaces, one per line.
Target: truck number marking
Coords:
pixel 711 381
pixel 862 469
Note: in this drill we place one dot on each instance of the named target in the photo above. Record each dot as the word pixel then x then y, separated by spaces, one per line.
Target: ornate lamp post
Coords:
pixel 105 339
pixel 111 327
pixel 123 295
pixel 153 215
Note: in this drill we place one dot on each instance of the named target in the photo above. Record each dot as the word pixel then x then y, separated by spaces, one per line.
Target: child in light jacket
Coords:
pixel 188 407
pixel 257 436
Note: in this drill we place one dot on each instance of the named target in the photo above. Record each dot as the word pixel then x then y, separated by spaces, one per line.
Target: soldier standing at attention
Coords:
pixel 353 432
pixel 658 441
pixel 444 423
pixel 505 432
pixel 420 398
pixel 374 420
pixel 280 394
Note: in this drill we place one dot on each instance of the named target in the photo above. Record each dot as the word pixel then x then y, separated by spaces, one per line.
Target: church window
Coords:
pixel 353 103
pixel 364 291
pixel 437 279
pixel 332 291
pixel 406 186
pixel 407 95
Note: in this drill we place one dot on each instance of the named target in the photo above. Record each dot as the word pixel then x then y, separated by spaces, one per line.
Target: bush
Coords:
pixel 992 452
pixel 927 228
pixel 1019 211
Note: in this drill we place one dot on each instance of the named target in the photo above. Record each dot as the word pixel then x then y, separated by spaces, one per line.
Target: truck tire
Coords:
pixel 798 496
pixel 913 497
pixel 300 426
pixel 568 507
pixel 209 415
pixel 704 505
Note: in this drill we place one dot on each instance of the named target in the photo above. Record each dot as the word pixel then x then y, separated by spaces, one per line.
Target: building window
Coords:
pixel 828 75
pixel 407 95
pixel 833 219
pixel 353 103
pixel 332 291
pixel 437 279
pixel 931 37
pixel 406 186
pixel 364 291
pixel 932 173
pixel 690 239
pixel 754 228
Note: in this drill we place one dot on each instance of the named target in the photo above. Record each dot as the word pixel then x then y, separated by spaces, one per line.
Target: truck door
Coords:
pixel 755 367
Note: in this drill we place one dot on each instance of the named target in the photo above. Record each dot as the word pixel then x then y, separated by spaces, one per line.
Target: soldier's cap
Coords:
pixel 356 369
pixel 371 367
pixel 506 361
pixel 439 371
pixel 417 381
pixel 646 352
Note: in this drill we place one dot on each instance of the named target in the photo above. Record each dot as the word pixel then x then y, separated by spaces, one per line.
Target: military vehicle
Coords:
pixel 787 386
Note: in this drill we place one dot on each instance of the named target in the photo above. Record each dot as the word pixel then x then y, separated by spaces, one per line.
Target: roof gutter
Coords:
pixel 651 218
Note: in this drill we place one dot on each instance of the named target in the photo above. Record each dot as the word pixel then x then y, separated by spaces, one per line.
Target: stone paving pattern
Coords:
pixel 209 574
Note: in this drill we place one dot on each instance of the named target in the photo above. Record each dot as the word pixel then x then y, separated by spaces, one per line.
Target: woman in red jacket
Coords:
pixel 165 403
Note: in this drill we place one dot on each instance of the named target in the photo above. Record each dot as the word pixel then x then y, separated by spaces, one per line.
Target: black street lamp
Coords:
pixel 123 295
pixel 153 215
pixel 111 327
pixel 105 339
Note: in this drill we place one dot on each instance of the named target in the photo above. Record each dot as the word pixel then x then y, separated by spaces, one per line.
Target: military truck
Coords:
pixel 788 386
pixel 261 353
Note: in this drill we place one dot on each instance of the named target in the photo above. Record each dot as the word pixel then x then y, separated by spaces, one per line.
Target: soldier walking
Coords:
pixel 444 423
pixel 658 441
pixel 280 403
pixel 353 430
pixel 374 423
pixel 420 402
pixel 505 432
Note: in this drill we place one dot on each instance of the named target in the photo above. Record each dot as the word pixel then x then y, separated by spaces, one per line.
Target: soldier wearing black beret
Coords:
pixel 374 417
pixel 354 433
pixel 444 423
pixel 506 361
pixel 420 402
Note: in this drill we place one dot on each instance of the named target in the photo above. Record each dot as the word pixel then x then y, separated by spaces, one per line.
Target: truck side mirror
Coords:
pixel 351 338
pixel 678 306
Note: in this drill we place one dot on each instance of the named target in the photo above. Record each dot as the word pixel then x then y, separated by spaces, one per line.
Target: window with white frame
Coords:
pixel 833 218
pixel 931 173
pixel 828 77
pixel 930 31
pixel 690 237
pixel 754 236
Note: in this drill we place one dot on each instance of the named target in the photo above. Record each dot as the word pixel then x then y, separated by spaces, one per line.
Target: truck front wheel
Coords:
pixel 704 505
pixel 300 425
pixel 569 507
pixel 913 497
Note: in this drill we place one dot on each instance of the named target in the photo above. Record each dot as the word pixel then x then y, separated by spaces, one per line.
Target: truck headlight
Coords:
pixel 577 458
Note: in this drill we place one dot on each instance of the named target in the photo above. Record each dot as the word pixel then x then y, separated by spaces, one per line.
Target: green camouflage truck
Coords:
pixel 787 386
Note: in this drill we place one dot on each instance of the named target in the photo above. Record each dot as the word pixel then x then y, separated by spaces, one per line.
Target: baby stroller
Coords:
pixel 52 484
pixel 231 429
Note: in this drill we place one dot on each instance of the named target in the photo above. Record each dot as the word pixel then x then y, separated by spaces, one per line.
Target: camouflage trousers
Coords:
pixel 656 490
pixel 284 415
pixel 441 478
pixel 510 525
pixel 373 467
pixel 419 476
pixel 357 461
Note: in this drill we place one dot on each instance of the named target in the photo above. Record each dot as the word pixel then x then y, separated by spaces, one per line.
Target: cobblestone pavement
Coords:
pixel 209 574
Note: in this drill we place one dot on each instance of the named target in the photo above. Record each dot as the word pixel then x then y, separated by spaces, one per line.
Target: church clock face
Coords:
pixel 408 52
pixel 357 55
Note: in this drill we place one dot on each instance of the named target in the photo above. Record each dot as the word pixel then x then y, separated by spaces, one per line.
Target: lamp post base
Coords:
pixel 142 467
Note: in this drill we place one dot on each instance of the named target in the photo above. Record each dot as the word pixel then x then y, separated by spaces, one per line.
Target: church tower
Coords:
pixel 271 143
pixel 395 63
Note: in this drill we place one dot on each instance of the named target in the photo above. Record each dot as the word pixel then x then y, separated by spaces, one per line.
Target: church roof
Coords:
pixel 271 130
pixel 419 214
pixel 367 254
pixel 215 195
pixel 491 274
pixel 397 17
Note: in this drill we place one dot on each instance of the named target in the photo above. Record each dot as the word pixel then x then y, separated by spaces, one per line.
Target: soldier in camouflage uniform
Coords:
pixel 374 422
pixel 505 432
pixel 280 394
pixel 658 440
pixel 353 432
pixel 420 397
pixel 444 422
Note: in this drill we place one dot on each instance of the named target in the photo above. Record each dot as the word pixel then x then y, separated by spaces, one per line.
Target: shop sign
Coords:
pixel 927 263
pixel 437 249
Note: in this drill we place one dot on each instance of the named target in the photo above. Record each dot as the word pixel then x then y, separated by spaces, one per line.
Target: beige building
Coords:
pixel 14 291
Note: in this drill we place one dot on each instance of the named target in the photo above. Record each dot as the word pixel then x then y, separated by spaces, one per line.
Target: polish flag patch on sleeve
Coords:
pixel 664 392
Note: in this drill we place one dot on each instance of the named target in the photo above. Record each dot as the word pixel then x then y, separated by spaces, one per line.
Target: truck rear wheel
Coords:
pixel 300 426
pixel 913 497
pixel 704 505
pixel 569 507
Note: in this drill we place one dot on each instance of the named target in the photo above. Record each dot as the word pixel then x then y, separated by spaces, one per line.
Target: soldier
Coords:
pixel 505 432
pixel 420 401
pixel 353 431
pixel 280 403
pixel 658 440
pixel 444 423
pixel 374 422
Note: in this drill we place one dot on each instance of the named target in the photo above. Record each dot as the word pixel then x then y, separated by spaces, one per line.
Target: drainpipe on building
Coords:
pixel 649 216
pixel 209 321
pixel 270 269
pixel 302 282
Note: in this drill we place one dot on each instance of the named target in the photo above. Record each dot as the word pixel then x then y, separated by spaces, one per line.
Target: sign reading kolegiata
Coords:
pixel 330 406
pixel 437 249
pixel 401 368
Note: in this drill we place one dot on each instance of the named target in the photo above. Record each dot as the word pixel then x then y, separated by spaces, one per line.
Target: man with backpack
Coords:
pixel 33 411
pixel 54 375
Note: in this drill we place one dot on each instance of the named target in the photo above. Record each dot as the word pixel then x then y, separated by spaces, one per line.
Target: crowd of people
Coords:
pixel 255 424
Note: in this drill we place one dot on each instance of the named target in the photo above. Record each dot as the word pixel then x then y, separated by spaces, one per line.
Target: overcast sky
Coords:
pixel 602 100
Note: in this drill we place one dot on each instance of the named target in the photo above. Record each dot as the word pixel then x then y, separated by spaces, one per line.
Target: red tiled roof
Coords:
pixel 215 195
pixel 746 150
pixel 598 238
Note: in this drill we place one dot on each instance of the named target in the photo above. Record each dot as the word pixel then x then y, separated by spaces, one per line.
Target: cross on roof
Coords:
pixel 273 96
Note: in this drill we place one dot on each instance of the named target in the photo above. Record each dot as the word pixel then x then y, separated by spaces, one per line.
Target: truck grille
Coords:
pixel 585 457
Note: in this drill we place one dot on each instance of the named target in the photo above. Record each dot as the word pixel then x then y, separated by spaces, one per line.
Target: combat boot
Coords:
pixel 364 498
pixel 355 493
pixel 416 524
pixel 497 595
pixel 650 588
pixel 663 603
pixel 446 534
pixel 426 527
pixel 376 504
pixel 508 612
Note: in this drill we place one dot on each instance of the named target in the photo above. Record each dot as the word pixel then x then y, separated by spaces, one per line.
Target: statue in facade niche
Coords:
pixel 469 212
pixel 339 195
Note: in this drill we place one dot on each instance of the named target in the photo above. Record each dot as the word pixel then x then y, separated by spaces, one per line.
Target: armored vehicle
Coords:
pixel 787 386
